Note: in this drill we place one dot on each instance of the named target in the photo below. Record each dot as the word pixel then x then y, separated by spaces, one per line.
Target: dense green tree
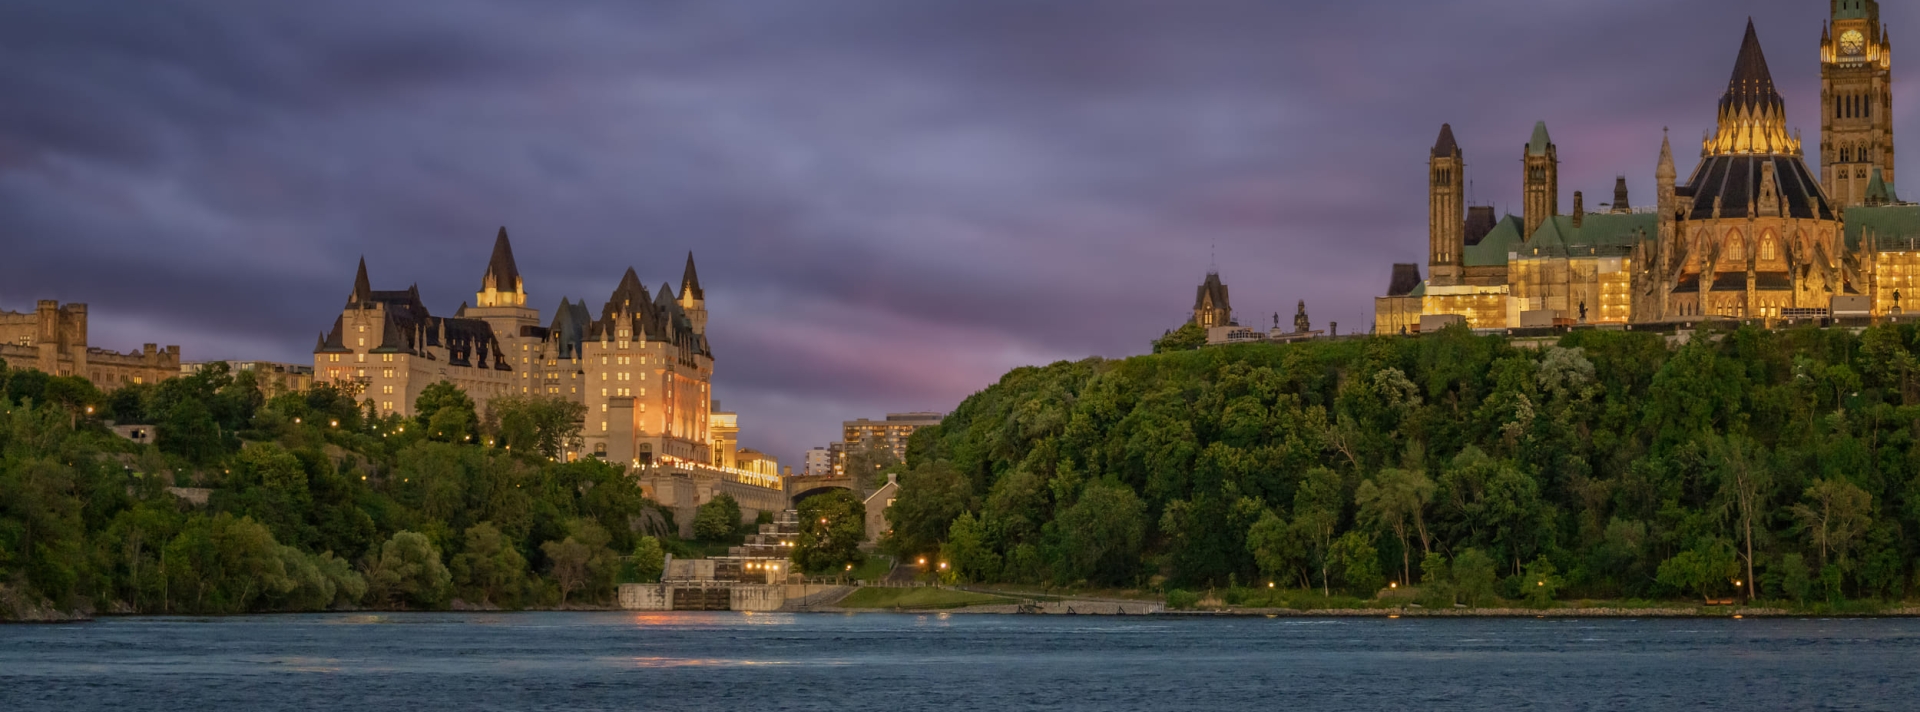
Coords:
pixel 1099 538
pixel 1186 338
pixel 489 571
pixel 1472 577
pixel 445 412
pixel 832 527
pixel 582 562
pixel 968 550
pixel 1395 502
pixel 408 572
pixel 718 519
pixel 535 424
pixel 931 496
pixel 649 560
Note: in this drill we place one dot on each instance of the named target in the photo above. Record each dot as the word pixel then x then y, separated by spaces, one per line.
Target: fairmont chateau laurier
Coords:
pixel 1753 232
pixel 642 367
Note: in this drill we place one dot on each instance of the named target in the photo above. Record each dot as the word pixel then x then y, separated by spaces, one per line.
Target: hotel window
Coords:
pixel 363 328
pixel 363 341
pixel 603 375
pixel 388 373
pixel 363 373
pixel 603 426
pixel 361 358
pixel 603 407
pixel 603 393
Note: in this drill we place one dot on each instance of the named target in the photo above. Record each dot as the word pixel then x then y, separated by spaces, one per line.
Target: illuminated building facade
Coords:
pixel 642 368
pixel 1753 233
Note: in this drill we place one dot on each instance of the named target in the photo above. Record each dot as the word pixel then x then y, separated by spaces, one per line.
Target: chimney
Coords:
pixel 1579 209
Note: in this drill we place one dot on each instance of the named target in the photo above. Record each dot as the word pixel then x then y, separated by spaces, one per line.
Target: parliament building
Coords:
pixel 1752 233
pixel 641 367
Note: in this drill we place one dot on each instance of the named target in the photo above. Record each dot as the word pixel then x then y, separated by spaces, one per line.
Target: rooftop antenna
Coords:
pixel 1213 259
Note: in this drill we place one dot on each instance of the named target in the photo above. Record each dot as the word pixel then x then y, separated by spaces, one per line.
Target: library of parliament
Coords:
pixel 1752 233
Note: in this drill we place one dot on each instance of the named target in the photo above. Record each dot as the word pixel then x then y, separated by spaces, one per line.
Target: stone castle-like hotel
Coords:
pixel 1753 233
pixel 641 367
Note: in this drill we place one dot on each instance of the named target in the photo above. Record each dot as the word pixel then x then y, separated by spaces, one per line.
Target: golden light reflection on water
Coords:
pixel 686 619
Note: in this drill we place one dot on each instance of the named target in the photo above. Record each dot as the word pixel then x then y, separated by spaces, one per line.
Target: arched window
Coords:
pixel 1767 249
pixel 1736 247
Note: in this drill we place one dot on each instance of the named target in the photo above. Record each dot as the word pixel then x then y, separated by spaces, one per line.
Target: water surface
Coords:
pixel 855 663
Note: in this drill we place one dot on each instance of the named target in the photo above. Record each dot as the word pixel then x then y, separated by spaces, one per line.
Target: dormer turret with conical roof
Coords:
pixel 1752 117
pixel 501 286
pixel 693 299
pixel 502 299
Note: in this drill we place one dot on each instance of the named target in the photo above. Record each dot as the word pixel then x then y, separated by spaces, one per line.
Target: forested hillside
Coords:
pixel 1777 463
pixel 302 502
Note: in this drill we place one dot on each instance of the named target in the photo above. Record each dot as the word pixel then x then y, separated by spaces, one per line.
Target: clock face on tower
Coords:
pixel 1852 43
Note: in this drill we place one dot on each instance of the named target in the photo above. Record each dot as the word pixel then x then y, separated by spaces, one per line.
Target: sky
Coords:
pixel 891 202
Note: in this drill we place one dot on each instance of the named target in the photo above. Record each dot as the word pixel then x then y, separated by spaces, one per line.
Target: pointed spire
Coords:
pixel 1752 83
pixel 502 274
pixel 1445 146
pixel 1620 202
pixel 362 289
pixel 1538 145
pixel 1665 172
pixel 690 282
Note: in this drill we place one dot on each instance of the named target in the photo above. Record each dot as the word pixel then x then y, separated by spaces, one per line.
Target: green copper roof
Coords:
pixel 1493 249
pixel 1891 226
pixel 1878 193
pixel 1601 231
pixel 1538 146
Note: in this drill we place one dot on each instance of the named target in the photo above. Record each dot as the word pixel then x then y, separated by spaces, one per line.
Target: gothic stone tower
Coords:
pixel 1542 180
pixel 1856 98
pixel 1446 211
pixel 1210 305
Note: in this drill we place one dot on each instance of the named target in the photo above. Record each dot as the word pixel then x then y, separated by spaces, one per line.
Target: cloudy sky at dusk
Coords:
pixel 892 202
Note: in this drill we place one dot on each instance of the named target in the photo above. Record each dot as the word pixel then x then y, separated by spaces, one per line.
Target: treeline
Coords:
pixel 305 501
pixel 1780 465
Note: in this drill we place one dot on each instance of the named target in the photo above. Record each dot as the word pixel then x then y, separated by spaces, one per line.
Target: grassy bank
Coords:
pixel 917 599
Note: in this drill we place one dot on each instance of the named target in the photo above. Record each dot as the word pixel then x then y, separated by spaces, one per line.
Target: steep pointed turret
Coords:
pixel 501 286
pixel 690 282
pixel 1445 146
pixel 693 299
pixel 362 288
pixel 1752 117
pixel 1621 203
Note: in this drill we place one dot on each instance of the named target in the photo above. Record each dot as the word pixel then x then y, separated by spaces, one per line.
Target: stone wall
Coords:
pixel 740 597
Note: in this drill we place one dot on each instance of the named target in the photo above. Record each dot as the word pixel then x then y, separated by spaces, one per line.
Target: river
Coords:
pixel 853 663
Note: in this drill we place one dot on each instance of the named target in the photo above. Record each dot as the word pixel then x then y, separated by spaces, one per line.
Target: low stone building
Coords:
pixel 53 340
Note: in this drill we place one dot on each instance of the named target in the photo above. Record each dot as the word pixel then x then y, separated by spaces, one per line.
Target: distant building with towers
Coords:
pixel 642 367
pixel 1753 233
pixel 53 340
